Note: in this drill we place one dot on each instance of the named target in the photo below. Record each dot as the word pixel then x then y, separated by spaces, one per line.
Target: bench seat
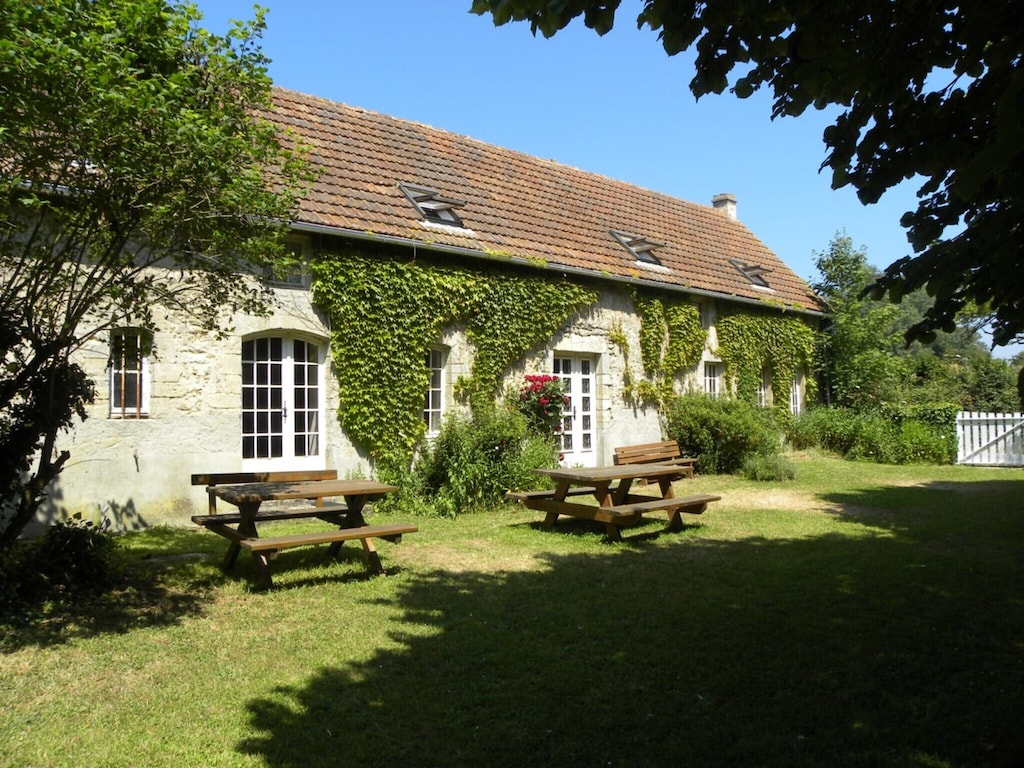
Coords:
pixel 391 532
pixel 548 494
pixel 330 509
pixel 693 505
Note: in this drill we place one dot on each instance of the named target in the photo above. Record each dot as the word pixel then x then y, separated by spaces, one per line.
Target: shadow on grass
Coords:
pixel 648 529
pixel 888 646
pixel 163 578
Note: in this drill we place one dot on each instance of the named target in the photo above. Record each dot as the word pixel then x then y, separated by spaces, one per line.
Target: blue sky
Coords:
pixel 615 105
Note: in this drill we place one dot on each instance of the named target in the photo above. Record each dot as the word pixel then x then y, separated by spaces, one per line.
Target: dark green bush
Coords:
pixel 721 433
pixel 72 558
pixel 473 461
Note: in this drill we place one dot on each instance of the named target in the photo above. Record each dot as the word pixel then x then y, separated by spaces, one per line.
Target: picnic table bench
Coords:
pixel 616 507
pixel 248 490
pixel 665 452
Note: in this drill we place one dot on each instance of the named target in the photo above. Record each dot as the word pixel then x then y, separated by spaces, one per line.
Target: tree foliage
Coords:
pixel 930 90
pixel 129 138
pixel 863 361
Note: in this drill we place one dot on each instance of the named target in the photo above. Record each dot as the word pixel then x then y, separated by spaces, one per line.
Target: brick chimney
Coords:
pixel 726 203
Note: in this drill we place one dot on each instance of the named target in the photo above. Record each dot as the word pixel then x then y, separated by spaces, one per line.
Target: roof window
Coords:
pixel 753 272
pixel 431 206
pixel 640 247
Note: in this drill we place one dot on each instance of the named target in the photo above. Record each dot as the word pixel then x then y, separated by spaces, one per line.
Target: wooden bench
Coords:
pixel 694 505
pixel 264 549
pixel 549 494
pixel 392 532
pixel 328 511
pixel 665 452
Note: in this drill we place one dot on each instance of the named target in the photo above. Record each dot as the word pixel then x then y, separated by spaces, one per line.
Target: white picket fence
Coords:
pixel 990 439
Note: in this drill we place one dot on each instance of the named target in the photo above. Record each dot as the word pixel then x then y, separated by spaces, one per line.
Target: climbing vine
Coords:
pixel 385 312
pixel 750 343
pixel 672 341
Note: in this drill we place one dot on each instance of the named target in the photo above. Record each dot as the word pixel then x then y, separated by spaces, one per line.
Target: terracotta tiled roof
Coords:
pixel 517 206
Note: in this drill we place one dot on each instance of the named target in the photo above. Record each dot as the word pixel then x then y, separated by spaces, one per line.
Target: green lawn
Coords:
pixel 861 615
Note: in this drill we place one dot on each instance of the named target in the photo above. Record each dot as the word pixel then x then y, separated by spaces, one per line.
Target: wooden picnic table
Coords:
pixel 616 506
pixel 241 529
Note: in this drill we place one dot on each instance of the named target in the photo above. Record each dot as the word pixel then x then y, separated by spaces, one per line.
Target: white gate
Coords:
pixel 990 439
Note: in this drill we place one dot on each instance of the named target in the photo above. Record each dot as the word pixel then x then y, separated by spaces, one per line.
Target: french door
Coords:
pixel 282 404
pixel 577 438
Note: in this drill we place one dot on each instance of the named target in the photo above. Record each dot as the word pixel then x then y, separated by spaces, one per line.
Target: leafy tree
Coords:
pixel 931 90
pixel 864 362
pixel 129 139
pixel 856 361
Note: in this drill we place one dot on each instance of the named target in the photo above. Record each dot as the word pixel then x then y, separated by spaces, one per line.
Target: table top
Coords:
pixel 588 475
pixel 306 489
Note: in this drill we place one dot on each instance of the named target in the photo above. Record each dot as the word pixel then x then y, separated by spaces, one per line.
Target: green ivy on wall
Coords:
pixel 385 312
pixel 749 343
pixel 672 341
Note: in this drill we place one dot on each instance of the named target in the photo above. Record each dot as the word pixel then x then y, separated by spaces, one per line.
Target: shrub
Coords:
pixel 71 559
pixel 721 433
pixel 473 461
pixel 541 400
pixel 768 468
pixel 888 434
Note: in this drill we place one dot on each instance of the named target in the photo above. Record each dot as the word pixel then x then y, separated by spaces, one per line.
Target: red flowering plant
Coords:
pixel 541 400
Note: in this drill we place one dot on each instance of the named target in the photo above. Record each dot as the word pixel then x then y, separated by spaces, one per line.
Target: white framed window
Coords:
pixel 795 403
pixel 129 373
pixel 298 277
pixel 764 389
pixel 434 405
pixel 282 406
pixel 713 379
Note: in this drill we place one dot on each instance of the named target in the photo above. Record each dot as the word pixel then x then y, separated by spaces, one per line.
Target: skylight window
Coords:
pixel 431 206
pixel 640 247
pixel 753 272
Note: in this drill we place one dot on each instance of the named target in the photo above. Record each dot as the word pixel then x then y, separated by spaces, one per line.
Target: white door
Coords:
pixel 577 440
pixel 282 407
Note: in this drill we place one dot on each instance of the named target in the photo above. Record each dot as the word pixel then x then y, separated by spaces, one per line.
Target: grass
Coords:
pixel 860 615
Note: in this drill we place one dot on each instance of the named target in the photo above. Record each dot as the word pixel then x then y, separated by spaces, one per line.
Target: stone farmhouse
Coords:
pixel 401 195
